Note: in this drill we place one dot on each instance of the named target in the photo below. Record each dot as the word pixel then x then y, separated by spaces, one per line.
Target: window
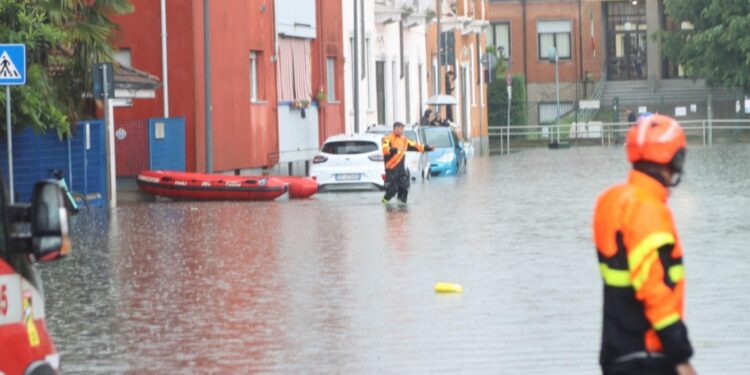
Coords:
pixel 367 73
pixel 438 138
pixel 553 34
pixel 350 147
pixel 411 135
pixel 407 93
pixel 394 92
pixel 435 77
pixel 255 87
pixel 447 48
pixel 294 69
pixel 471 85
pixel 380 90
pixel 331 78
pixel 123 57
pixel 498 36
pixel 419 83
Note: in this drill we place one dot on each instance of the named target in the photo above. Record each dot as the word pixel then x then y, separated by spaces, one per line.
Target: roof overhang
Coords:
pixel 385 14
pixel 475 27
pixel 414 20
pixel 132 83
pixel 454 23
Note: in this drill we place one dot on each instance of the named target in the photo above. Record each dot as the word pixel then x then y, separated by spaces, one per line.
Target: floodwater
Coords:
pixel 341 284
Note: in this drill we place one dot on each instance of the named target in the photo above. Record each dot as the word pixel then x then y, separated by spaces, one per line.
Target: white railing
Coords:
pixel 605 133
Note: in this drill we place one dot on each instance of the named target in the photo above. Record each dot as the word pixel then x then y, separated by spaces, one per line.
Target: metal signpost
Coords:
pixel 104 87
pixel 553 58
pixel 12 73
pixel 509 82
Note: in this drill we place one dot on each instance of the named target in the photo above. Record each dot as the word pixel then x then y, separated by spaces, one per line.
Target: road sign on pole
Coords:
pixel 510 95
pixel 99 70
pixel 12 73
pixel 12 64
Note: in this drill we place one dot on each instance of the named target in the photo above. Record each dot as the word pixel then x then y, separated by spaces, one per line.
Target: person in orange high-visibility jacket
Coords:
pixel 395 146
pixel 640 258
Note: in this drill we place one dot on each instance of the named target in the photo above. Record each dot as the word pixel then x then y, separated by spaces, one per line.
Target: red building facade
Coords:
pixel 244 58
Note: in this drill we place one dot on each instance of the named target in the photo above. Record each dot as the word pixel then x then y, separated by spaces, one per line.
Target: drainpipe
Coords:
pixel 525 54
pixel 164 69
pixel 355 68
pixel 580 42
pixel 207 89
pixel 437 51
pixel 579 75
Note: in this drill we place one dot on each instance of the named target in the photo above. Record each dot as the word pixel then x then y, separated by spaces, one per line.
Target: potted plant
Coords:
pixel 321 96
pixel 300 104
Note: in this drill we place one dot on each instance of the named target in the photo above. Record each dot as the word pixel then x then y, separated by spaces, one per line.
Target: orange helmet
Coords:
pixel 657 139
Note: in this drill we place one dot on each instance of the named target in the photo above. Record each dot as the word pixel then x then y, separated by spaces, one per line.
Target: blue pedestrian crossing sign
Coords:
pixel 12 64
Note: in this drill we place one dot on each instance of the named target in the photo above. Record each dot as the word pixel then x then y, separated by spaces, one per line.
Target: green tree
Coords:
pixel 498 102
pixel 63 38
pixel 718 46
pixel 89 32
pixel 36 103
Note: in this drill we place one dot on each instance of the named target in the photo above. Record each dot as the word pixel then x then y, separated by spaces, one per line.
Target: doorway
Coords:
pixel 627 41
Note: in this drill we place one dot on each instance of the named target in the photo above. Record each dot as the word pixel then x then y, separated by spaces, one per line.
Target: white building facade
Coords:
pixel 392 64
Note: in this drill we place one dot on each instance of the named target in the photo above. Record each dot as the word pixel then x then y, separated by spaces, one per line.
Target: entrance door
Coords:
pixel 627 40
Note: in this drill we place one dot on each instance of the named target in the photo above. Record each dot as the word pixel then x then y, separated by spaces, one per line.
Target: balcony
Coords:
pixel 412 12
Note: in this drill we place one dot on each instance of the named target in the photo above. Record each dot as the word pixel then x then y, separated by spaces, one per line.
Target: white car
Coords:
pixel 417 163
pixel 350 162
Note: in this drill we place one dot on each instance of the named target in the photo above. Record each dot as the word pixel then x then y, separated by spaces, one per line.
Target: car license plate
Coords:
pixel 348 177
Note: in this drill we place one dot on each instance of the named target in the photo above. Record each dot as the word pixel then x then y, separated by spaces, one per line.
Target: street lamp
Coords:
pixel 555 59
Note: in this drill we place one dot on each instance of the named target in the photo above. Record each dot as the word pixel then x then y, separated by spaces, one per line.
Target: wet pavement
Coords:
pixel 341 284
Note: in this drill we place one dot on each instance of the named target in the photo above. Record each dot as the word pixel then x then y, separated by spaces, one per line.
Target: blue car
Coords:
pixel 449 157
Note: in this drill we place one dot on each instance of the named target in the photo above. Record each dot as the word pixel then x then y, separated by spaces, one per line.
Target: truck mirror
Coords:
pixel 49 223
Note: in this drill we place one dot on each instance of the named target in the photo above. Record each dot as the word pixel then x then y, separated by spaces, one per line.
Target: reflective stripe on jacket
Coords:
pixel 640 258
pixel 395 148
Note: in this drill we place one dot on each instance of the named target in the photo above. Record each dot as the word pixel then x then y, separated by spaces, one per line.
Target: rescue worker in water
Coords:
pixel 640 258
pixel 397 179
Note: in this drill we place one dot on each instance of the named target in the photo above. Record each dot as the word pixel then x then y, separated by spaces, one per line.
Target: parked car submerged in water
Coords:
pixel 417 163
pixel 449 156
pixel 350 162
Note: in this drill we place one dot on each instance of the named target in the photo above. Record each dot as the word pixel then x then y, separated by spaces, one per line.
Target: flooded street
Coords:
pixel 341 284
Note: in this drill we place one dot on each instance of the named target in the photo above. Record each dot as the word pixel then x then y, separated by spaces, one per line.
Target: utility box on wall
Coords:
pixel 298 137
pixel 166 144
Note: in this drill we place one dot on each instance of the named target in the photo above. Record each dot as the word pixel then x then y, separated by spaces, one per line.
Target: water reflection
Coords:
pixel 341 284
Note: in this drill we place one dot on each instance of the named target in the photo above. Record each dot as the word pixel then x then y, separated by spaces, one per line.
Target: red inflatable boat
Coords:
pixel 299 187
pixel 198 186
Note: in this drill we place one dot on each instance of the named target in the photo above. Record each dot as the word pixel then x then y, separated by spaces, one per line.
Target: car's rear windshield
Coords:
pixel 349 147
pixel 411 134
pixel 438 138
